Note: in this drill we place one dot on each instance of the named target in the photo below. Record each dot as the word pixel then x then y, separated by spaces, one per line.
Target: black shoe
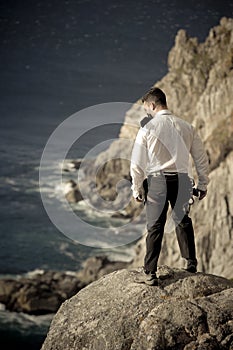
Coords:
pixel 148 278
pixel 192 266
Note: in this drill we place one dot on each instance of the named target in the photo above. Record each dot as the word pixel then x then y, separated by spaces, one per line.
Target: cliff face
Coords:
pixel 199 89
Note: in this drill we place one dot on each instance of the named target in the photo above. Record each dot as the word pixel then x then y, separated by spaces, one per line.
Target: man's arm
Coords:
pixel 138 164
pixel 201 163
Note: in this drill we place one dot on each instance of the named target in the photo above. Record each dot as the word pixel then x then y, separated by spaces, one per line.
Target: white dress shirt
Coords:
pixel 165 144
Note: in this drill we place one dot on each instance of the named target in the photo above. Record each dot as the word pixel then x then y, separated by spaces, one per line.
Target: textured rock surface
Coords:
pixel 185 312
pixel 98 266
pixel 199 89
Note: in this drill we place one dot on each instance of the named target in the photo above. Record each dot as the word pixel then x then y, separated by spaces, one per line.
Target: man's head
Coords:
pixel 154 100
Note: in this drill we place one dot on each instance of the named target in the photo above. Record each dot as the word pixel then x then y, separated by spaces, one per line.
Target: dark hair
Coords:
pixel 155 95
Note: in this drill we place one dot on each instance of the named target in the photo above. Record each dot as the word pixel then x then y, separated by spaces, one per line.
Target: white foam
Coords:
pixel 2 307
pixel 24 322
pixel 33 273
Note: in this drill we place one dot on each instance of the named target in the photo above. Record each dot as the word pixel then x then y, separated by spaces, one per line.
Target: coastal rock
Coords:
pixel 72 192
pixel 41 294
pixel 98 266
pixel 72 165
pixel 186 311
pixel 74 196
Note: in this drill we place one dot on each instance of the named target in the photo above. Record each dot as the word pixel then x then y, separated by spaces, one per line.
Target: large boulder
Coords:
pixel 186 311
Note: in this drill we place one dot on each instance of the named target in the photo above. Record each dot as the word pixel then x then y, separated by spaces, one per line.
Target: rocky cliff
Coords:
pixel 198 86
pixel 186 311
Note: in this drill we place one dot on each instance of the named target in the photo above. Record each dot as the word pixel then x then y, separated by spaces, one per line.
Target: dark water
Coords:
pixel 56 59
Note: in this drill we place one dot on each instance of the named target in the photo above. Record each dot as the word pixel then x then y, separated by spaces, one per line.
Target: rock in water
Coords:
pixel 186 311
pixel 97 266
pixel 41 294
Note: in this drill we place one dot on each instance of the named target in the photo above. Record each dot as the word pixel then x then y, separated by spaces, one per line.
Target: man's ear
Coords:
pixel 153 105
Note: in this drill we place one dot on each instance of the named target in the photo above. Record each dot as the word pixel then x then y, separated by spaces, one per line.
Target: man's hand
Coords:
pixel 202 194
pixel 139 198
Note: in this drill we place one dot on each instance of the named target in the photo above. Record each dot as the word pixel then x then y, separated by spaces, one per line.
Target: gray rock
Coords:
pixel 74 196
pixel 72 192
pixel 98 266
pixel 44 292
pixel 72 165
pixel 186 311
pixel 40 294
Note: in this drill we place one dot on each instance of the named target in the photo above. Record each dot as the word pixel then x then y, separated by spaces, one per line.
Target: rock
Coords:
pixel 98 266
pixel 40 294
pixel 186 311
pixel 72 192
pixel 43 293
pixel 72 165
pixel 7 288
pixel 74 196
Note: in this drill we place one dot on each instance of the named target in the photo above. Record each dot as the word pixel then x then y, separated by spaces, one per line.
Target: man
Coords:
pixel 161 154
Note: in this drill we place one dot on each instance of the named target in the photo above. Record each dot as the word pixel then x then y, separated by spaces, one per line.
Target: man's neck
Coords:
pixel 158 109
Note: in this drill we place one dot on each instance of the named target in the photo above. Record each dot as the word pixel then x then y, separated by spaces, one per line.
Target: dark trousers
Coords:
pixel 162 190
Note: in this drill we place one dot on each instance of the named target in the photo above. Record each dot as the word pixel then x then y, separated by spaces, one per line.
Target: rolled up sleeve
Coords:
pixel 201 161
pixel 138 165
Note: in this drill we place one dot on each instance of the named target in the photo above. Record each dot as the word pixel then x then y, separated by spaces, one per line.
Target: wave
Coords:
pixel 22 331
pixel 24 321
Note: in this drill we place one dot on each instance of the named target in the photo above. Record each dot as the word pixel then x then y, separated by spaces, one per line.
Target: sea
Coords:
pixel 57 59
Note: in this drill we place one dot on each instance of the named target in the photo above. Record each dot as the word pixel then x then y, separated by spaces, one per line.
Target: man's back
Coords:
pixel 168 140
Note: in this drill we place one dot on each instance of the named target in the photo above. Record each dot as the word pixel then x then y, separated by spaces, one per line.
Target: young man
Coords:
pixel 161 153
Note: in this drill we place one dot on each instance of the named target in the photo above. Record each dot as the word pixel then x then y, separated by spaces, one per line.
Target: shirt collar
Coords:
pixel 163 112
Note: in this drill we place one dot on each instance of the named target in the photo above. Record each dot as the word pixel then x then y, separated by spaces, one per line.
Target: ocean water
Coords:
pixel 58 59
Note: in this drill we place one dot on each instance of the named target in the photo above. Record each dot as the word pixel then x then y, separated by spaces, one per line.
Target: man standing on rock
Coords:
pixel 161 154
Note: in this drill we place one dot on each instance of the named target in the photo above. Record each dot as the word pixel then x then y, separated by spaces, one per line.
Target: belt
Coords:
pixel 167 173
pixel 170 173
